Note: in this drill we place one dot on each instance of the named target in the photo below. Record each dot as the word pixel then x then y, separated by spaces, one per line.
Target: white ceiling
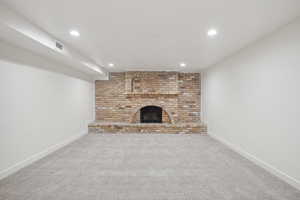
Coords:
pixel 157 34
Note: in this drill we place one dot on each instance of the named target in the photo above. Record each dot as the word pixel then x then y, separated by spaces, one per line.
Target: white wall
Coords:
pixel 42 107
pixel 252 102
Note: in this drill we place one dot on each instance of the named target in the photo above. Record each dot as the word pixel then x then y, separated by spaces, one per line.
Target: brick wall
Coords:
pixel 120 98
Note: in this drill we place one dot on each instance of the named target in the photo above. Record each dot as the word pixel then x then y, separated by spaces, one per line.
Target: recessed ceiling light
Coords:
pixel 212 32
pixel 74 33
pixel 182 64
pixel 111 64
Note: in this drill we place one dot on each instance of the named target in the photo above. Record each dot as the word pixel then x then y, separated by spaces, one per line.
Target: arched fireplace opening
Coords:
pixel 151 114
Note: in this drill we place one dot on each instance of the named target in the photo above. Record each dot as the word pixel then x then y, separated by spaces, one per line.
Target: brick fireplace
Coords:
pixel 150 102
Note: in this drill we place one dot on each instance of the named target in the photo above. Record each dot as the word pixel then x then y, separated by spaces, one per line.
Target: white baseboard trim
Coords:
pixel 13 169
pixel 283 176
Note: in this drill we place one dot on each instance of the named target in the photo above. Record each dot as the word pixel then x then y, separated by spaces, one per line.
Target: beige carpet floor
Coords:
pixel 145 167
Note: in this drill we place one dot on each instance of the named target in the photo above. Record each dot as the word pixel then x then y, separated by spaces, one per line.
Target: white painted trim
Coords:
pixel 13 169
pixel 283 176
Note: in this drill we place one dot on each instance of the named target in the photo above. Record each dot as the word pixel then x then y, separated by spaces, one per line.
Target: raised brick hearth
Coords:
pixel 167 102
pixel 115 127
